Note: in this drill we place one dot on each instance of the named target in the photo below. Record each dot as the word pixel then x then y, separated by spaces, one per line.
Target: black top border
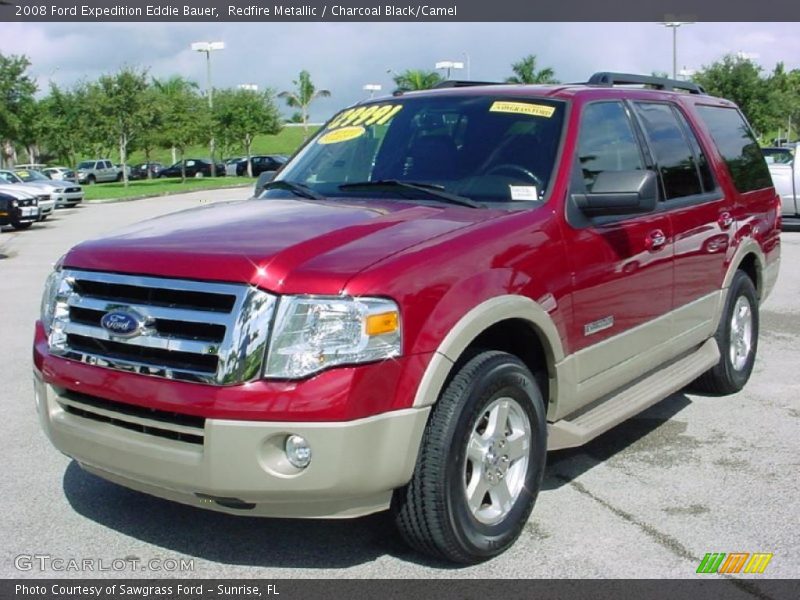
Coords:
pixel 398 11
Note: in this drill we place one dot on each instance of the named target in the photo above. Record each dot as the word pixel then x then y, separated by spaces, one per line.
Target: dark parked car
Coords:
pixel 18 209
pixel 195 167
pixel 140 171
pixel 269 162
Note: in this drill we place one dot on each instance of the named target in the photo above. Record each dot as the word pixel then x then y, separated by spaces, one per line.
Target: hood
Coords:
pixel 286 246
pixel 20 190
pixel 48 186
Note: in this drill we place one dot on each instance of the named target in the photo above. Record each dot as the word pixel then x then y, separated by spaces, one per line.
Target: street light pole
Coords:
pixel 674 26
pixel 372 88
pixel 209 47
pixel 449 64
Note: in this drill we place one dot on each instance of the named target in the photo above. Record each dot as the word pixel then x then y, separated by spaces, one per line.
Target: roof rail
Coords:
pixel 455 83
pixel 660 83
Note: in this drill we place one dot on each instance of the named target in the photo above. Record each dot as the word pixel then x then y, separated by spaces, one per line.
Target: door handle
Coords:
pixel 655 240
pixel 725 220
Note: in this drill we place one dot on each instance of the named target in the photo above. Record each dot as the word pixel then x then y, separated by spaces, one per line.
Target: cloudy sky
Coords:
pixel 342 57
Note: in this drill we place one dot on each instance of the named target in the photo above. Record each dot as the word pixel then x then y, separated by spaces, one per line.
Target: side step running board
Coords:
pixel 632 399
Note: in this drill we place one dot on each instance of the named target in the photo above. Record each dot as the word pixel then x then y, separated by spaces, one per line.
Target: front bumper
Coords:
pixel 68 199
pixel 239 466
pixel 46 208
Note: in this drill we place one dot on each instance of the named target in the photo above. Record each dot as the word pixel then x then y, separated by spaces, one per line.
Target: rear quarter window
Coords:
pixel 738 147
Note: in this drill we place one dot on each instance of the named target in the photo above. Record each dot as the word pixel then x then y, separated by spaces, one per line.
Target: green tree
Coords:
pixel 525 72
pixel 151 118
pixel 17 88
pixel 66 121
pixel 122 101
pixel 185 115
pixel 303 95
pixel 784 101
pixel 739 79
pixel 240 115
pixel 416 79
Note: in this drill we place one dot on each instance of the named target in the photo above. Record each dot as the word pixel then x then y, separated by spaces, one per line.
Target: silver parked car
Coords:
pixel 98 171
pixel 64 193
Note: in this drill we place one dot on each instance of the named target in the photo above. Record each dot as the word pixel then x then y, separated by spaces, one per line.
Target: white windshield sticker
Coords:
pixel 524 192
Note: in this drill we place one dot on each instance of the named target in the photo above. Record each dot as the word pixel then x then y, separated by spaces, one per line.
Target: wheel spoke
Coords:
pixel 498 418
pixel 517 446
pixel 476 449
pixel 501 497
pixel 476 490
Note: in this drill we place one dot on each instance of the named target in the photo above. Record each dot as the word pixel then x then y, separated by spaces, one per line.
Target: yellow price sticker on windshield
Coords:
pixel 373 114
pixel 523 108
pixel 344 134
pixel 22 173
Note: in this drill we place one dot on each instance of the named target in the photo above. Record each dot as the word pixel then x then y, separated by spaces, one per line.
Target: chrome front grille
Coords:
pixel 188 330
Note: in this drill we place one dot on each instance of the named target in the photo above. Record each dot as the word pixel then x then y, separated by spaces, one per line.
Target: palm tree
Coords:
pixel 304 94
pixel 525 72
pixel 416 79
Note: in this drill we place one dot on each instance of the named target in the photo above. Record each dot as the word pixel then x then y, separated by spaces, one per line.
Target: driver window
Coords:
pixel 607 142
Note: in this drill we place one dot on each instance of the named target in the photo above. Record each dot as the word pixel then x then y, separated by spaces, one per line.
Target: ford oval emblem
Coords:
pixel 121 323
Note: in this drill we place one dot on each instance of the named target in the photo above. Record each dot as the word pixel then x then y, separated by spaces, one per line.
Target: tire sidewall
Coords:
pixel 499 379
pixel 741 286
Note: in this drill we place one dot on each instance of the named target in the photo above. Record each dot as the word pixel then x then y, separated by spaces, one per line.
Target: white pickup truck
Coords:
pixel 786 176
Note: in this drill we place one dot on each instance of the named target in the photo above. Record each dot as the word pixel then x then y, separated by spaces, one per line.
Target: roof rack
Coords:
pixel 455 83
pixel 659 83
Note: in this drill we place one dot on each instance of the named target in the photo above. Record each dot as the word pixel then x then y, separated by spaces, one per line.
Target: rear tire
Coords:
pixel 737 338
pixel 480 464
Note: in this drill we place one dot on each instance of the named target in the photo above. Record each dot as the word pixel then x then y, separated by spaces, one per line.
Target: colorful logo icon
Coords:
pixel 735 562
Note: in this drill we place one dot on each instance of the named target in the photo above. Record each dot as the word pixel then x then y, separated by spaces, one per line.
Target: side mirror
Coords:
pixel 263 179
pixel 620 193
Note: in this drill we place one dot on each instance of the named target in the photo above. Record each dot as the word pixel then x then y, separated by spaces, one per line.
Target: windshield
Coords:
pixel 8 177
pixel 486 149
pixel 28 176
pixel 87 164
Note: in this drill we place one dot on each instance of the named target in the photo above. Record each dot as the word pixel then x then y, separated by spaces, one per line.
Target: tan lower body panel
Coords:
pixel 355 465
pixel 632 399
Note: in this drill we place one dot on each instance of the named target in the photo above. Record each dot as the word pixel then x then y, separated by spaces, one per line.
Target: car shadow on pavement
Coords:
pixel 312 543
pixel 565 465
pixel 229 539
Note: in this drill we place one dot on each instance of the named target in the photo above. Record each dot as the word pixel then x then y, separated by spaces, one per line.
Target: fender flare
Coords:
pixel 475 322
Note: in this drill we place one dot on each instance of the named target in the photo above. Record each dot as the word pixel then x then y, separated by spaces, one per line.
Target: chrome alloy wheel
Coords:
pixel 497 460
pixel 741 337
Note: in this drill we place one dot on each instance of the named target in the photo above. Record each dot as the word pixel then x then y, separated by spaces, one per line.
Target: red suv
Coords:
pixel 438 288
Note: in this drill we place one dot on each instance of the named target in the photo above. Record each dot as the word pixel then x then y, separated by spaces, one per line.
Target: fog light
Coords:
pixel 298 451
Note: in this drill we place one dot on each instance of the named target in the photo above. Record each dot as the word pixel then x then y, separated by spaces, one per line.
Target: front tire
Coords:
pixel 480 465
pixel 21 226
pixel 737 338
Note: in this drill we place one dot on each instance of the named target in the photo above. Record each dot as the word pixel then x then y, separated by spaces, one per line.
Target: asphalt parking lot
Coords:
pixel 647 500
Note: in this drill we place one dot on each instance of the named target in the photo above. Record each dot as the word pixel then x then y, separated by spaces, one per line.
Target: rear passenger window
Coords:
pixel 673 154
pixel 738 147
pixel 607 142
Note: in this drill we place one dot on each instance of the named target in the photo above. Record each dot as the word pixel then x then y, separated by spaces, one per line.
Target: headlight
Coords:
pixel 314 333
pixel 14 203
pixel 58 191
pixel 54 308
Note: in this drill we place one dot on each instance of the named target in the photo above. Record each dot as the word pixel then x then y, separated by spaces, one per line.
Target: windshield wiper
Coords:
pixel 429 189
pixel 296 188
